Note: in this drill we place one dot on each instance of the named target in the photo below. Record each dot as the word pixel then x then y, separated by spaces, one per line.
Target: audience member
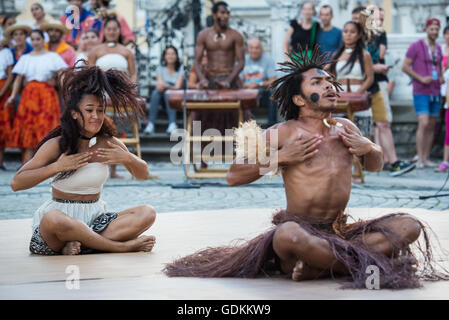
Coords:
pixel 329 37
pixel 259 72
pixel 423 64
pixel 170 75
pixel 56 31
pixel 302 32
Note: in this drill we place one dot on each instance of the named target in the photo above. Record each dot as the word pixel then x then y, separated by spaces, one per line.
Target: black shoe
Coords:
pixel 387 167
pixel 2 167
pixel 400 167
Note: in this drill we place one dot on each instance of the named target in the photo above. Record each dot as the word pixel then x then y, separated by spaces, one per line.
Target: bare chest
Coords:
pixel 332 154
pixel 220 42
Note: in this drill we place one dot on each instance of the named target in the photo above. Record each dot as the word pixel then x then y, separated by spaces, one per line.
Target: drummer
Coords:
pixel 225 61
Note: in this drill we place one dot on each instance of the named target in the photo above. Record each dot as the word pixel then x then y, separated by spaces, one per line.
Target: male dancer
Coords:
pixel 311 238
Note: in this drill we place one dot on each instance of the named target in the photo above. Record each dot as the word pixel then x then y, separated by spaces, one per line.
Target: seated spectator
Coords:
pixel 170 75
pixel 102 10
pixel 86 42
pixel 258 73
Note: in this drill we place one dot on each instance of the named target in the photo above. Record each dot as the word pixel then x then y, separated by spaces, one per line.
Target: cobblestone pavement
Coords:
pixel 380 190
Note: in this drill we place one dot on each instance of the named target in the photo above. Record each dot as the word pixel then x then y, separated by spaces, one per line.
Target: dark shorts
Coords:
pixel 39 246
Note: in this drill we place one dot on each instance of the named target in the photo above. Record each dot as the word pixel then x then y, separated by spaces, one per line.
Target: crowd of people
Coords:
pixel 101 39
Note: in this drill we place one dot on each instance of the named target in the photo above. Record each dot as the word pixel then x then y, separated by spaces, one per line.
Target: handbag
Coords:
pixel 355 101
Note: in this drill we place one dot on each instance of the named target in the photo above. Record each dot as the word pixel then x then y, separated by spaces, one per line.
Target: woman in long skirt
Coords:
pixel 39 110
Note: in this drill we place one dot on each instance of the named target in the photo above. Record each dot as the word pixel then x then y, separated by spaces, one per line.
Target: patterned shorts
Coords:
pixel 39 246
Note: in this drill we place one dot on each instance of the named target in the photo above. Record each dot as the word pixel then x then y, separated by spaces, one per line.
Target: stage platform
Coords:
pixel 139 276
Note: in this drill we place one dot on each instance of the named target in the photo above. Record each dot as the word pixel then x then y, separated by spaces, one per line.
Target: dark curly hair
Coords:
pixel 111 87
pixel 289 85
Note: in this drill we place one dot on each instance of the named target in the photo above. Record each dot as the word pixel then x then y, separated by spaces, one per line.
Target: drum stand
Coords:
pixel 185 155
pixel 355 160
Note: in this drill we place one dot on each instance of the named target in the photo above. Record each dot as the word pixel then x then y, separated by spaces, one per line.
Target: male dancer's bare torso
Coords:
pixel 320 186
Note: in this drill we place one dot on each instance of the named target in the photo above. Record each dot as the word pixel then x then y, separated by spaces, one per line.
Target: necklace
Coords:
pixel 349 50
pixel 111 44
pixel 327 121
pixel 92 141
pixel 219 35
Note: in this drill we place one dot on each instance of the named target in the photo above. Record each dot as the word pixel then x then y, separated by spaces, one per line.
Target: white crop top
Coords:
pixel 39 67
pixel 113 61
pixel 346 73
pixel 85 180
pixel 6 60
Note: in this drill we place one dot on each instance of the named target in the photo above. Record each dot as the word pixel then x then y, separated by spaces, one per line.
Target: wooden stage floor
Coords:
pixel 139 276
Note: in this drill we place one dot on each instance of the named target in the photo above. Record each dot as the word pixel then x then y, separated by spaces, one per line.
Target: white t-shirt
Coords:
pixel 39 68
pixel 6 60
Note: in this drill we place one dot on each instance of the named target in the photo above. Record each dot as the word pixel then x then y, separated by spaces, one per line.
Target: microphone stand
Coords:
pixel 186 184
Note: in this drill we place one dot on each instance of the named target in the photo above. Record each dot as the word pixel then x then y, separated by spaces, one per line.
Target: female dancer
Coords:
pixel 38 111
pixel 6 111
pixel 112 54
pixel 76 219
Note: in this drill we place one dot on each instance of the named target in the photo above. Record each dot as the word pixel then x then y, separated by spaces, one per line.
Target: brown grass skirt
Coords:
pixel 256 256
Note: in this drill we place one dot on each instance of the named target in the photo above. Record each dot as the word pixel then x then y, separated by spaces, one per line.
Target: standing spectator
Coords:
pixel 87 20
pixel 102 9
pixel 302 32
pixel 353 66
pixel 444 166
pixel 329 37
pixel 354 70
pixel 38 112
pixel 259 72
pixel 355 14
pixel 423 63
pixel 382 115
pixel 6 110
pixel 38 12
pixel 56 31
pixel 6 22
pixel 170 75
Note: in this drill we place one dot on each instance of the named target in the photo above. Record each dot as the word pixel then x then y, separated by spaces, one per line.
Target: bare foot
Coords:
pixel 71 248
pixel 356 180
pixel 116 176
pixel 142 243
pixel 153 176
pixel 302 271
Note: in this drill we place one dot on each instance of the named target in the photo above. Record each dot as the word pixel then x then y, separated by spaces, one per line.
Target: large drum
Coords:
pixel 248 97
